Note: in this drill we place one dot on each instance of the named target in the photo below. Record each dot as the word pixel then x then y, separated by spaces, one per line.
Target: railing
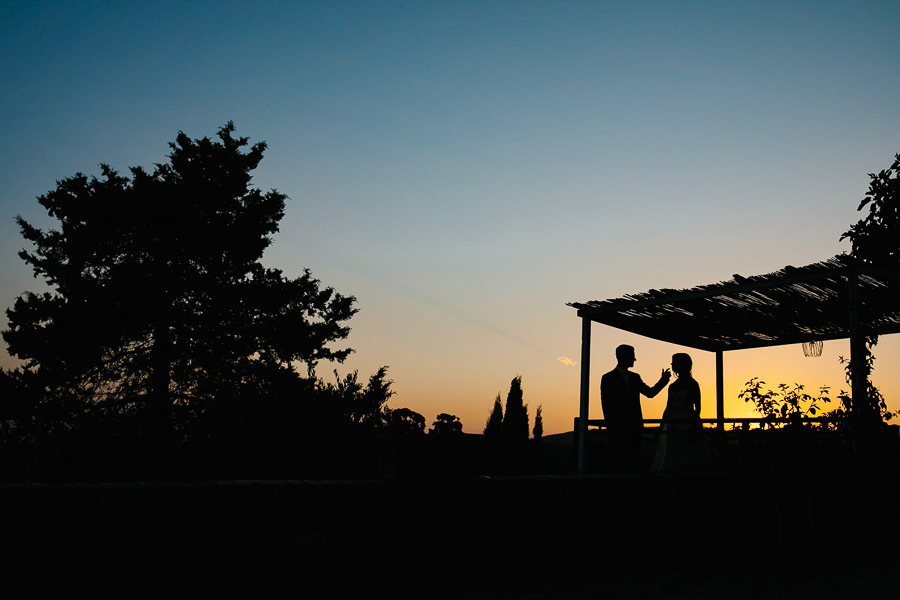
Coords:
pixel 745 422
pixel 739 440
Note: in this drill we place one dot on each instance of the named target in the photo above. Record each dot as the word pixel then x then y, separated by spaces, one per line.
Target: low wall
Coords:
pixel 136 538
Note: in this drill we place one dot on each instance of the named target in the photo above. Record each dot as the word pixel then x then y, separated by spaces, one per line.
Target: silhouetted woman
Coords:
pixel 681 443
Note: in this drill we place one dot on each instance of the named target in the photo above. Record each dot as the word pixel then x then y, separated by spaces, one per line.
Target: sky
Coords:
pixel 466 169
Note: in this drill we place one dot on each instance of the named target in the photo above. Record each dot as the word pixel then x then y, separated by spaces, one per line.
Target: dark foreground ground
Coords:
pixel 810 533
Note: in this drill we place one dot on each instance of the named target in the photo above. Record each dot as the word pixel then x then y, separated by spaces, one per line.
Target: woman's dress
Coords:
pixel 681 443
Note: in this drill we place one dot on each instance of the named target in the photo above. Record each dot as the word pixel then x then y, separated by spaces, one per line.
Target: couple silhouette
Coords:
pixel 680 434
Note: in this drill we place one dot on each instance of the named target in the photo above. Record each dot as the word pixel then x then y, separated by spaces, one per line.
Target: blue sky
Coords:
pixel 466 168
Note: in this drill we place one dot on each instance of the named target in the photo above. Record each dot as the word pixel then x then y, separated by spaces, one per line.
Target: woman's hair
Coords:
pixel 682 363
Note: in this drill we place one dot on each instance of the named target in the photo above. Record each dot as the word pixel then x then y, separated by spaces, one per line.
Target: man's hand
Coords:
pixel 666 374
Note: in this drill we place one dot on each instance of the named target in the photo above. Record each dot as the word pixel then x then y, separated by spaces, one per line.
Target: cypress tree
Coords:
pixel 494 425
pixel 538 431
pixel 515 420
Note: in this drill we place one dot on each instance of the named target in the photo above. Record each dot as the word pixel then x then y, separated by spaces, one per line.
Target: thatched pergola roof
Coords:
pixel 789 306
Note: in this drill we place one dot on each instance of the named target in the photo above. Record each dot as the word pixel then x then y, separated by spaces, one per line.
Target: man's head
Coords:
pixel 625 356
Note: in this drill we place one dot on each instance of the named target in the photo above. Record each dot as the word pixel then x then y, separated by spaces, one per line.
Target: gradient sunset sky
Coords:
pixel 465 169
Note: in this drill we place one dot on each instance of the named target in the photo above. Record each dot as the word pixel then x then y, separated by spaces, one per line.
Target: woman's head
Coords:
pixel 681 364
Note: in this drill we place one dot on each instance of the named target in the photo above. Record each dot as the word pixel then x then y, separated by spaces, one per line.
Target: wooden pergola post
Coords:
pixel 585 393
pixel 857 343
pixel 720 390
pixel 859 401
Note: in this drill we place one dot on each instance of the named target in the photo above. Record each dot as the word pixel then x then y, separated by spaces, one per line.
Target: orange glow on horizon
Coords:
pixel 773 366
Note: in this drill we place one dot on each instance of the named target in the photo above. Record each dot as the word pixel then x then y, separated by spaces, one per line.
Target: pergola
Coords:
pixel 835 299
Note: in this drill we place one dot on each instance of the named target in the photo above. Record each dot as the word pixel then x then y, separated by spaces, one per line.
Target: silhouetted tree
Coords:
pixel 875 239
pixel 404 422
pixel 494 425
pixel 18 390
pixel 446 425
pixel 515 418
pixel 156 290
pixel 784 403
pixel 363 406
pixel 538 431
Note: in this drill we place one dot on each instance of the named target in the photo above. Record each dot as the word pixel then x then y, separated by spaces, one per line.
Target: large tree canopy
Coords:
pixel 156 285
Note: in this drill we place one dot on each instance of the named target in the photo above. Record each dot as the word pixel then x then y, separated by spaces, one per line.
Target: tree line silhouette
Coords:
pixel 164 348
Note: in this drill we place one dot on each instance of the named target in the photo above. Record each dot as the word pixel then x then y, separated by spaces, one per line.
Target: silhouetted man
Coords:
pixel 620 397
